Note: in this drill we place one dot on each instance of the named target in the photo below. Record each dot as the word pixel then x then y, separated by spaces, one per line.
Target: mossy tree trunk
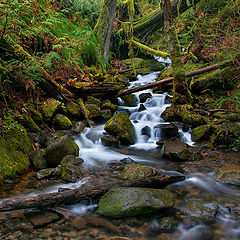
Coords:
pixel 104 26
pixel 181 94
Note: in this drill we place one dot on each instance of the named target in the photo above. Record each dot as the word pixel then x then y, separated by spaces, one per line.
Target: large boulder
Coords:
pixel 94 111
pixel 121 127
pixel 135 171
pixel 127 201
pixel 38 159
pixel 229 173
pixel 13 162
pixel 49 108
pixel 205 211
pixel 62 122
pixel 180 151
pixel 60 148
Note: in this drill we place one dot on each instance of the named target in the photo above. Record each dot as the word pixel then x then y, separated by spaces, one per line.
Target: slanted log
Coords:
pixel 76 195
pixel 168 80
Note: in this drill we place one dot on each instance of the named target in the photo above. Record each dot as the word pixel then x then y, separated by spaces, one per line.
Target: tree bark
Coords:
pixel 104 26
pixel 168 80
pixel 76 195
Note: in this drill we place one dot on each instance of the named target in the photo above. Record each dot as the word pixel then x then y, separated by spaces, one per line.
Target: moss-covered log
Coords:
pixel 76 195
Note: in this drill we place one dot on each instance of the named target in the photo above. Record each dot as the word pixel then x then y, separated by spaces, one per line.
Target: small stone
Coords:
pixel 79 223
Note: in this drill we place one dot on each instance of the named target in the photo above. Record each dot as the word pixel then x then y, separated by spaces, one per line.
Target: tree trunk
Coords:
pixel 104 26
pixel 76 195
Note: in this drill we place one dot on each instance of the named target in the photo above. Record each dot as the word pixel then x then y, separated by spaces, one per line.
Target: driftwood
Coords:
pixel 168 80
pixel 76 195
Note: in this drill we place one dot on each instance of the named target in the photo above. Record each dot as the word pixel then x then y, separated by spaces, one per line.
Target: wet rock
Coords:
pixel 38 159
pixel 135 171
pixel 127 160
pixel 49 172
pixel 174 167
pixel 71 159
pixel 124 201
pixel 108 105
pixel 229 173
pixel 200 133
pixel 146 131
pixel 93 100
pixel 79 223
pixel 206 211
pixel 74 110
pixel 110 141
pixel 167 130
pixel 78 127
pixel 106 114
pixel 60 148
pixel 41 138
pixel 180 151
pixel 120 126
pixel 39 218
pixel 130 100
pixel 168 224
pixel 141 108
pixel 49 108
pixel 94 111
pixel 144 96
pixel 62 122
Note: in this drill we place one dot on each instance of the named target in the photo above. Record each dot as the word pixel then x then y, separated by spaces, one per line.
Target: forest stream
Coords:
pixel 204 209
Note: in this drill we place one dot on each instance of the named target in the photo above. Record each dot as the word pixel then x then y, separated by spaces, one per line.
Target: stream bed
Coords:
pixel 103 165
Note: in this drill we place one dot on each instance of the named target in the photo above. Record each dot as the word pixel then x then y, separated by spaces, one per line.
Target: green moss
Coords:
pixel 62 122
pixel 12 162
pixel 130 100
pixel 49 108
pixel 108 105
pixel 36 115
pixel 30 124
pixel 19 140
pixel 200 133
pixel 121 127
pixel 73 109
pixel 94 111
pixel 93 100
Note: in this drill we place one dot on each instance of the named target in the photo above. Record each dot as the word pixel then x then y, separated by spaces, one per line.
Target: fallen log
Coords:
pixel 76 195
pixel 168 80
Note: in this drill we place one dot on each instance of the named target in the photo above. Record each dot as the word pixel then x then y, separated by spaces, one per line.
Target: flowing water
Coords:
pixel 198 185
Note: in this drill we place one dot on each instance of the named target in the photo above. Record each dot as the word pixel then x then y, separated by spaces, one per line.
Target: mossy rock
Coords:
pixel 36 115
pixel 62 122
pixel 19 140
pixel 130 100
pixel 72 159
pixel 233 117
pixel 30 124
pixel 180 151
pixel 106 114
pixel 49 172
pixel 94 111
pixel 229 173
pixel 136 171
pixel 60 148
pixel 201 133
pixel 13 162
pixel 108 105
pixel 120 126
pixel 49 108
pixel 93 100
pixel 206 211
pixel 38 159
pixel 110 141
pixel 168 224
pixel 74 110
pixel 130 201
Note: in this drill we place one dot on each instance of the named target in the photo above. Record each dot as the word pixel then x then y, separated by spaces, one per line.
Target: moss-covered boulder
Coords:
pixel 74 110
pixel 49 108
pixel 185 114
pixel 62 122
pixel 180 151
pixel 110 141
pixel 106 114
pixel 127 201
pixel 121 127
pixel 130 100
pixel 60 148
pixel 13 162
pixel 49 172
pixel 205 211
pixel 93 100
pixel 229 173
pixel 94 111
pixel 38 159
pixel 136 171
pixel 201 133
pixel 18 139
pixel 108 105
pixel 71 159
